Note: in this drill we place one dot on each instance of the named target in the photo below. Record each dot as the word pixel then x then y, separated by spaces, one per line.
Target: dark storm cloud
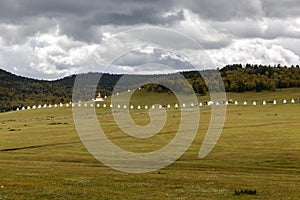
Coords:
pixel 80 19
pixel 281 9
pixel 223 9
pixel 226 28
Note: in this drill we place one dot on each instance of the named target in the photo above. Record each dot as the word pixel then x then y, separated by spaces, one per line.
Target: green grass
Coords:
pixel 259 149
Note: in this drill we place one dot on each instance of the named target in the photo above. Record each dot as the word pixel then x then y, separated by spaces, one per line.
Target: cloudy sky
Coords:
pixel 52 39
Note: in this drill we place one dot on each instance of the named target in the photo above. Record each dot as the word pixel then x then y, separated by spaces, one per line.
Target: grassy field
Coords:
pixel 42 156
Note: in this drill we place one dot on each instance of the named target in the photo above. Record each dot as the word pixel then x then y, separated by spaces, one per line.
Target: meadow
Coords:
pixel 42 156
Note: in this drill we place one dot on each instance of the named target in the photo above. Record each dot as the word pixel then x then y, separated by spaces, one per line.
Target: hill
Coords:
pixel 17 91
pixel 42 156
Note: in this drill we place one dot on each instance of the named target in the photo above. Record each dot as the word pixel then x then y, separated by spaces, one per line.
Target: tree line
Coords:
pixel 17 91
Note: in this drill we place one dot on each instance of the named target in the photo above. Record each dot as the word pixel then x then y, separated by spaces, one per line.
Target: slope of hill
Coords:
pixel 17 91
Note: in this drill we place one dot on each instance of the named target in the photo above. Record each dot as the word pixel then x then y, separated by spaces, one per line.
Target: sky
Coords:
pixel 52 39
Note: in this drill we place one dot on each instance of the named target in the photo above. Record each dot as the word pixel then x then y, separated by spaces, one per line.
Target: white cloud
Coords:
pixel 256 51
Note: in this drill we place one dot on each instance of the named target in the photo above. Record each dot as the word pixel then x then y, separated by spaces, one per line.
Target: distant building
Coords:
pixel 98 97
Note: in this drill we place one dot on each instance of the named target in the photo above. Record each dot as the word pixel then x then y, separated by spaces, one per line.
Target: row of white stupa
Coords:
pixel 254 103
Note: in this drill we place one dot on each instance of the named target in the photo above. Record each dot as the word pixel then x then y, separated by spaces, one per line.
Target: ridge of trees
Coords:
pixel 17 91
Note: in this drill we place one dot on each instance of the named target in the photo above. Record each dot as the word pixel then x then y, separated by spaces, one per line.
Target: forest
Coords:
pixel 17 91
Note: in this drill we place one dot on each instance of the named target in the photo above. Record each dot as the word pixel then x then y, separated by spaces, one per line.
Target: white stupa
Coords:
pixel 264 103
pixel 200 104
pixel 176 105
pixel 284 101
pixel 245 103
pixel 274 102
pixel 210 103
pixel 236 103
pixel 293 101
pixel 254 103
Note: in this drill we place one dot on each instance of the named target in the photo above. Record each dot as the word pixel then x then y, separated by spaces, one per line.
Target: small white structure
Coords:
pixel 17 109
pixel 118 106
pixel 153 106
pixel 124 106
pixel 92 105
pixel 160 106
pixel 28 107
pixel 104 105
pixel 50 106
pixel 293 101
pixel 61 105
pixel 98 105
pixel 210 103
pixel 33 107
pixel 284 101
pixel 85 105
pixel 131 107
pixel 168 106
pixel 226 103
pixel 139 88
pixel 235 103
pixel 217 103
pixel 105 97
pixel 139 107
pixel 264 103
pixel 183 105
pixel 45 106
pixel 192 104
pixel 128 90
pixel 117 93
pixel 111 106
pixel 274 102
pixel 55 105
pixel 200 104
pixel 40 106
pixel 254 103
pixel 176 105
pixel 245 103
pixel 67 105
pixel 23 108
pixel 146 107
pixel 73 105
pixel 79 105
